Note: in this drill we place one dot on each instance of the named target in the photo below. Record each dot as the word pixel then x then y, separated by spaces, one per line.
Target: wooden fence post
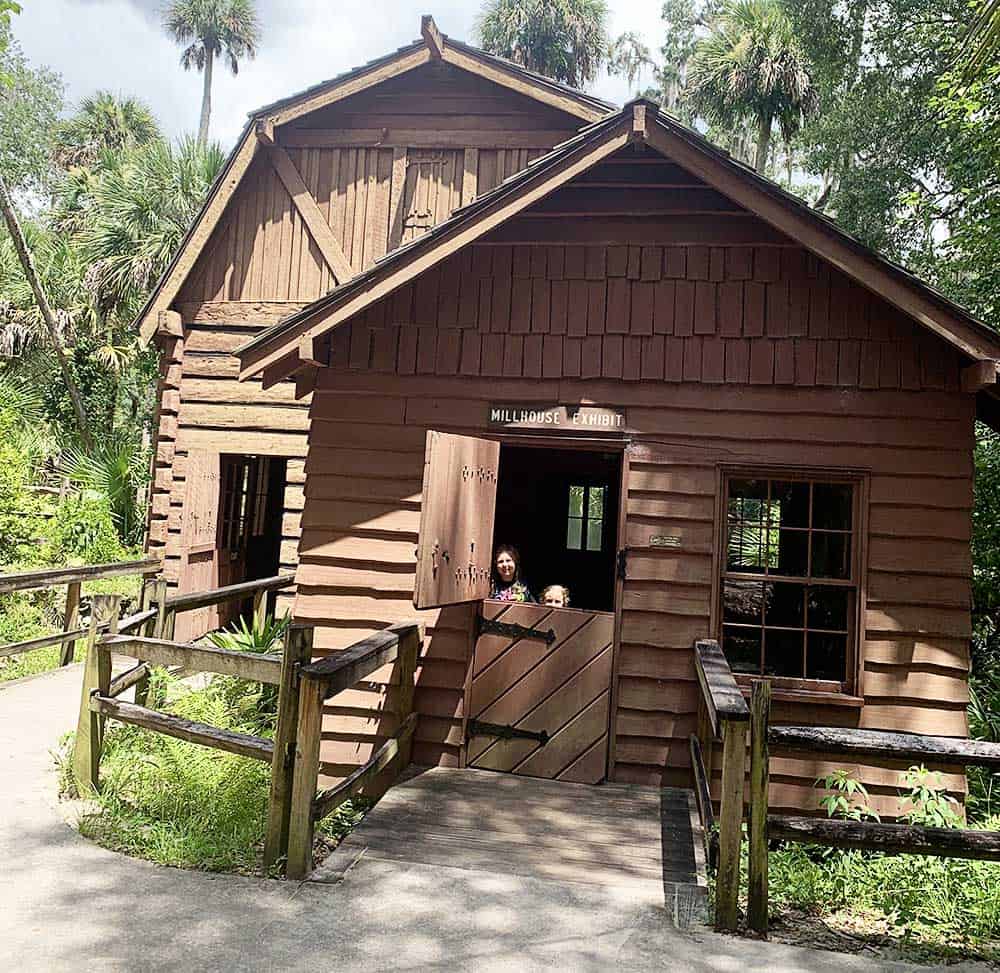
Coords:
pixel 706 737
pixel 312 692
pixel 260 600
pixel 727 881
pixel 298 649
pixel 96 678
pixel 409 650
pixel 71 621
pixel 760 706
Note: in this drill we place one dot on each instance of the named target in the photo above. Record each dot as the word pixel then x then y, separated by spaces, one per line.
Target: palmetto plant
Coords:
pixel 116 468
pixel 210 29
pixel 751 69
pixel 137 212
pixel 563 39
pixel 103 123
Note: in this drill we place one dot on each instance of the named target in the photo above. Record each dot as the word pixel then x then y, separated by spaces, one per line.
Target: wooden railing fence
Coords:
pixel 723 714
pixel 74 579
pixel 294 807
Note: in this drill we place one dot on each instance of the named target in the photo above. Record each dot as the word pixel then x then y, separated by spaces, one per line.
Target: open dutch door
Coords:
pixel 538 694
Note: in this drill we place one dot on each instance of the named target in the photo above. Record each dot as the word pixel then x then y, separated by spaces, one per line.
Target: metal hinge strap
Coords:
pixel 491 626
pixel 477 728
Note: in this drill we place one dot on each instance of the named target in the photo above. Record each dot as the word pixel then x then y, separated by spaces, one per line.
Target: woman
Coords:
pixel 507 583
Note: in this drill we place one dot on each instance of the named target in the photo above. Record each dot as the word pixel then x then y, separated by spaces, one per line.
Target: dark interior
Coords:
pixel 559 508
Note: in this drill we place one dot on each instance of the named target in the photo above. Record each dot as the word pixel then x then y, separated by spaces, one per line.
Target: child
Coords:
pixel 556 596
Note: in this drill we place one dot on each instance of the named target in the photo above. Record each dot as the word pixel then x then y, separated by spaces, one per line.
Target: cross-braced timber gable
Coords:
pixel 346 170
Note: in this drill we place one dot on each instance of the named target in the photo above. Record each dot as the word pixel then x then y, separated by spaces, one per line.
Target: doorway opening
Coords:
pixel 251 506
pixel 559 508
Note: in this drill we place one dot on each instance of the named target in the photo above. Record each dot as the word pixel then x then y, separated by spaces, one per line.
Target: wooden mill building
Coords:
pixel 440 303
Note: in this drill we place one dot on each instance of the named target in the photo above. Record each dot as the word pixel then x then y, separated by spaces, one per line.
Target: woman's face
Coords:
pixel 554 599
pixel 506 567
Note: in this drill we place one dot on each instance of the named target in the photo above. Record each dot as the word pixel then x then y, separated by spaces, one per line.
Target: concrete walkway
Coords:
pixel 66 904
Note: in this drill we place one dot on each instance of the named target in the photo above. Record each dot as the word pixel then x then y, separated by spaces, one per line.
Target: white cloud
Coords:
pixel 119 45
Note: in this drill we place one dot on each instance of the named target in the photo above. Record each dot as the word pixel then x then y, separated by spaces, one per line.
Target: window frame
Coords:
pixel 586 520
pixel 849 691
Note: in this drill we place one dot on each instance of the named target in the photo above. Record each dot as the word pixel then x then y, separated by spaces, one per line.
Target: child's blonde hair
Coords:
pixel 557 587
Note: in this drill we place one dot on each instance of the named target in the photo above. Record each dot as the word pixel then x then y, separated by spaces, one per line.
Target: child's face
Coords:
pixel 554 599
pixel 506 567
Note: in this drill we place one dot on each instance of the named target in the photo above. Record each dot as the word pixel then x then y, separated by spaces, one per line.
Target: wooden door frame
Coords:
pixel 590 444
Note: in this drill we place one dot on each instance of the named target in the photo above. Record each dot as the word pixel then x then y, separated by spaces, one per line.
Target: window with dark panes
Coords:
pixel 788 580
pixel 585 518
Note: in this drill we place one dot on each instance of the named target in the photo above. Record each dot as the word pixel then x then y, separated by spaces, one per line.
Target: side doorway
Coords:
pixel 232 531
pixel 538 688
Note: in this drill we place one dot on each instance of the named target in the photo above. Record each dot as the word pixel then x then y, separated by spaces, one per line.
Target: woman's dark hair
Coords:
pixel 514 553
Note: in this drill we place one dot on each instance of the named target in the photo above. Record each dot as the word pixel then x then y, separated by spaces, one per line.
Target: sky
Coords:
pixel 120 45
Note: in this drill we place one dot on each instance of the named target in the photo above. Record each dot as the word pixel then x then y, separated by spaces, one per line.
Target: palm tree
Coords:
pixel 982 42
pixel 212 28
pixel 563 39
pixel 103 123
pixel 751 69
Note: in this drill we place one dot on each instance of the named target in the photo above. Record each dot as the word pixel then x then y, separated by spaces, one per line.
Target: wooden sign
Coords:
pixel 593 419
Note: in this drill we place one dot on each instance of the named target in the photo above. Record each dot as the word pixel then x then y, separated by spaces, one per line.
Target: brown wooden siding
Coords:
pixel 382 167
pixel 653 330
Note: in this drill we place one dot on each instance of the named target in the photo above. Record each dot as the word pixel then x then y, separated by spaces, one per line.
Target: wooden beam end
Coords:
pixel 638 122
pixel 980 375
pixel 265 131
pixel 432 36
pixel 169 323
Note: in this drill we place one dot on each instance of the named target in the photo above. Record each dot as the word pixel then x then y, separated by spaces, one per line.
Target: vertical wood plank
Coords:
pixel 297 650
pixel 727 882
pixel 306 769
pixel 96 679
pixel 409 649
pixel 71 621
pixel 760 705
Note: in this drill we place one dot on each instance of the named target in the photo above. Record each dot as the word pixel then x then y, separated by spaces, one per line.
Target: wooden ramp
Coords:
pixel 643 839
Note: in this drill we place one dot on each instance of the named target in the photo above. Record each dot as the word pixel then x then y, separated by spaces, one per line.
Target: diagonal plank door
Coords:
pixel 562 688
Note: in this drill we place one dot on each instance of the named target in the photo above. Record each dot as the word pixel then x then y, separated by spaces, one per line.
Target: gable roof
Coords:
pixel 261 124
pixel 290 344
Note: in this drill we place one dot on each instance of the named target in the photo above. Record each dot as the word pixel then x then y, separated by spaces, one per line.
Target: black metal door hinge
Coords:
pixel 477 728
pixel 621 565
pixel 490 626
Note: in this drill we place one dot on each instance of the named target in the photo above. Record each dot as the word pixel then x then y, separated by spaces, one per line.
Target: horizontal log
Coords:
pixel 43 641
pixel 879 743
pixel 328 801
pixel 722 694
pixel 343 669
pixel 232 592
pixel 128 679
pixel 893 838
pixel 174 726
pixel 132 622
pixel 254 666
pixel 47 578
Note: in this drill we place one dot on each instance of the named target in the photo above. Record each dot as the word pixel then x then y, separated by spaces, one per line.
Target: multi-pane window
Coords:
pixel 788 583
pixel 585 520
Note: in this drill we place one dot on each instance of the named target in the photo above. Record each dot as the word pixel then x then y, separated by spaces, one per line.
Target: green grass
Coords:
pixel 176 803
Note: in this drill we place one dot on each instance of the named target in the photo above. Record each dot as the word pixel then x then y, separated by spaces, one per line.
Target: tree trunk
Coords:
pixel 28 266
pixel 206 100
pixel 763 143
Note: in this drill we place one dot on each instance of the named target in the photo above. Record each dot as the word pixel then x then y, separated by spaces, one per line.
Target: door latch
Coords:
pixel 491 626
pixel 478 728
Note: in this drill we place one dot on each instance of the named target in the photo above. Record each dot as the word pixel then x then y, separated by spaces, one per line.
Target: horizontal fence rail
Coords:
pixel 74 578
pixel 889 838
pixel 232 592
pixel 50 577
pixel 257 667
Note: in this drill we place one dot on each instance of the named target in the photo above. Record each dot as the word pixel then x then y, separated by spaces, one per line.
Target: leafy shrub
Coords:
pixel 849 797
pixel 83 532
pixel 176 803
pixel 929 805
